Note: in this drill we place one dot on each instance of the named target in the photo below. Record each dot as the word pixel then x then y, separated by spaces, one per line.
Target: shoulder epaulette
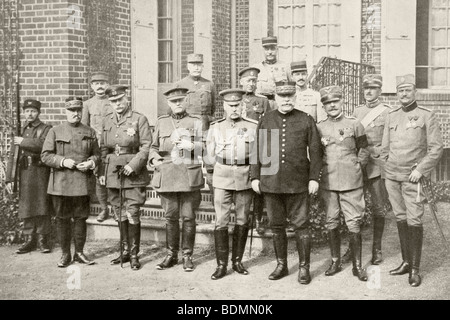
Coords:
pixel 396 109
pixel 423 108
pixel 387 105
pixel 163 116
pixel 250 120
pixel 196 116
pixel 217 121
pixel 260 96
pixel 109 113
pixel 323 120
pixel 351 117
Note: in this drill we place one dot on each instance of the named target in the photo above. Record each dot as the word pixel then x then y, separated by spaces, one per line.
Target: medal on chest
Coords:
pixel 412 122
pixel 341 133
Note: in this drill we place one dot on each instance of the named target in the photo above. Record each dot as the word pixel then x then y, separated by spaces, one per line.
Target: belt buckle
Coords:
pixel 117 150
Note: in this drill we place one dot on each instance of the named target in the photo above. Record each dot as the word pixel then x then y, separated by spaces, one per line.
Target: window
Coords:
pixel 309 29
pixel 433 44
pixel 167 40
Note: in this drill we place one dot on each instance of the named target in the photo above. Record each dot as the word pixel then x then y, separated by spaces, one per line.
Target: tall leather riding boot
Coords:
pixel 378 228
pixel 134 233
pixel 43 243
pixel 123 229
pixel 258 211
pixel 221 241
pixel 187 243
pixel 280 246
pixel 64 230
pixel 404 268
pixel 356 244
pixel 334 241
pixel 29 244
pixel 80 233
pixel 173 245
pixel 415 240
pixel 240 235
pixel 304 256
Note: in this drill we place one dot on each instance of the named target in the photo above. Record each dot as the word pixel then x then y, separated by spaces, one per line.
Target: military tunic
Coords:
pixel 94 111
pixel 411 140
pixel 344 142
pixel 33 174
pixel 255 106
pixel 270 74
pixel 309 102
pixel 283 167
pixel 126 142
pixel 231 147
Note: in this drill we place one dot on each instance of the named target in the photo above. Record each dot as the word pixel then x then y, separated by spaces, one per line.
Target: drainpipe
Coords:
pixel 233 43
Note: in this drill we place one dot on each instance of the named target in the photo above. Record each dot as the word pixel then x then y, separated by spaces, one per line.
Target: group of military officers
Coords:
pixel 279 144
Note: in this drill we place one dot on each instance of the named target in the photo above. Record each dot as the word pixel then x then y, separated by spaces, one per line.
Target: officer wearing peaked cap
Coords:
pixel 344 142
pixel 125 145
pixel 308 100
pixel 254 107
pixel 412 147
pixel 34 204
pixel 94 111
pixel 178 177
pixel 272 70
pixel 230 147
pixel 71 150
pixel 372 115
pixel 288 177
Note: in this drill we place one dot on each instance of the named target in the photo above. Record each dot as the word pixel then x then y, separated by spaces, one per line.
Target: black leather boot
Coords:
pixel 134 233
pixel 64 230
pixel 258 210
pixel 334 240
pixel 221 241
pixel 173 245
pixel 29 244
pixel 240 235
pixel 415 240
pixel 356 244
pixel 187 243
pixel 303 241
pixel 347 256
pixel 123 228
pixel 80 233
pixel 378 228
pixel 404 268
pixel 280 246
pixel 43 243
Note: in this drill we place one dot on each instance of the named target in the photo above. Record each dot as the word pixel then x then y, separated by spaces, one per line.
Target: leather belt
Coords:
pixel 124 150
pixel 229 162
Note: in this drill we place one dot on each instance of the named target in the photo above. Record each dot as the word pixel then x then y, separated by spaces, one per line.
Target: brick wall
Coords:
pixel 187 33
pixel 221 30
pixel 242 36
pixel 371 33
pixel 123 41
pixel 271 18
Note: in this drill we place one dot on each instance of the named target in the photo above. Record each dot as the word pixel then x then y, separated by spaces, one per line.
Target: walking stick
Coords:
pixel 119 171
pixel 251 231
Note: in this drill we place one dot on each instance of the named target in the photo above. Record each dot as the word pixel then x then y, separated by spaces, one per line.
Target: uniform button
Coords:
pixel 117 135
pixel 284 120
pixel 282 161
pixel 283 150
pixel 283 156
pixel 283 145
pixel 284 140
pixel 284 126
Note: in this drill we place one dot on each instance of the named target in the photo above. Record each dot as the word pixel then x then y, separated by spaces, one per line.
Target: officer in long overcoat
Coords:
pixel 178 177
pixel 34 204
pixel 71 150
pixel 287 177
pixel 125 145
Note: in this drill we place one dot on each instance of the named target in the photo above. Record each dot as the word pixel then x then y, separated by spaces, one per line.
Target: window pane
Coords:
pixel 284 2
pixel 164 8
pixel 165 29
pixel 319 52
pixel 285 16
pixel 334 34
pixel 438 57
pixel 285 54
pixel 285 35
pixel 298 1
pixel 299 15
pixel 334 51
pixel 320 34
pixel 165 51
pixel 439 17
pixel 335 13
pixel 439 3
pixel 320 13
pixel 299 35
pixel 299 53
pixel 438 77
pixel 439 37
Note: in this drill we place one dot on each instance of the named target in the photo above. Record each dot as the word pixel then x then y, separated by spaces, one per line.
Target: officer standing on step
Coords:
pixel 35 207
pixel 288 177
pixel 71 150
pixel 178 177
pixel 125 145
pixel 230 144
pixel 412 147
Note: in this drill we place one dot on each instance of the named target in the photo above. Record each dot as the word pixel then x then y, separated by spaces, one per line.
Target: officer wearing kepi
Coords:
pixel 230 144
pixel 94 111
pixel 254 107
pixel 35 207
pixel 412 147
pixel 71 150
pixel 372 115
pixel 178 177
pixel 345 155
pixel 125 145
pixel 287 177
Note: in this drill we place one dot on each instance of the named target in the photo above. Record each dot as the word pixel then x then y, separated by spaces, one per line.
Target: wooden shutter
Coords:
pixel 351 30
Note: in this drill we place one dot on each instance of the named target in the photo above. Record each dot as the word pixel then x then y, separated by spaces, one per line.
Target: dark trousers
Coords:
pixel 283 206
pixel 39 225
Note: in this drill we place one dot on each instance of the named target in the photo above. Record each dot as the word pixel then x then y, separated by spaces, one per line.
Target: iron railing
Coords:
pixel 346 74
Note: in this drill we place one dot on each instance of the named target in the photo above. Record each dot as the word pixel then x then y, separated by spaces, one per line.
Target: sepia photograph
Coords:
pixel 224 155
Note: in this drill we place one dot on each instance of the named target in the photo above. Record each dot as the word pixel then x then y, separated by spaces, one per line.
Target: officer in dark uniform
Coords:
pixel 94 111
pixel 412 147
pixel 231 142
pixel 178 177
pixel 71 150
pixel 345 156
pixel 125 145
pixel 35 207
pixel 255 106
pixel 287 178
